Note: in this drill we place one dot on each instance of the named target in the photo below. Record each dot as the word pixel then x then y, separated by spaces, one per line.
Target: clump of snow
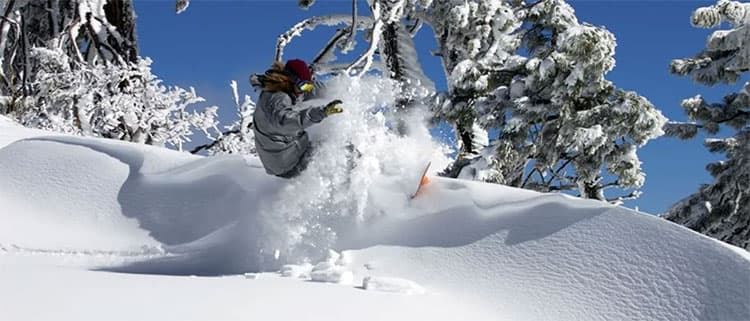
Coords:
pixel 332 270
pixel 301 271
pixel 391 284
pixel 588 140
pixel 331 273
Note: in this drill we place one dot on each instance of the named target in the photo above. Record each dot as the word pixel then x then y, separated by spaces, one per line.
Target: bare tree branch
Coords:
pixel 53 7
pixel 414 29
pixel 330 46
pixel 337 68
pixel 25 49
pixel 8 10
pixel 353 31
pixel 615 183
pixel 208 146
pixel 72 32
pixel 528 177
pixel 562 187
pixel 618 200
pixel 99 44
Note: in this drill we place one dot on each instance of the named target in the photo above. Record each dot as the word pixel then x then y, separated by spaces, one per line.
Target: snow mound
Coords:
pixel 71 194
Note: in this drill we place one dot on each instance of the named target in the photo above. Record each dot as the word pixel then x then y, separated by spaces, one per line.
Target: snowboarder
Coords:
pixel 280 137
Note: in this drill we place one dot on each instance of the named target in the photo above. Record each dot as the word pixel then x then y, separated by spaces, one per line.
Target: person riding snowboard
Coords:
pixel 280 137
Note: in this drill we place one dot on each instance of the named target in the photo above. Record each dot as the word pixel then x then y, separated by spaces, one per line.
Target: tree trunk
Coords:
pixel 592 190
pixel 120 14
pixel 399 53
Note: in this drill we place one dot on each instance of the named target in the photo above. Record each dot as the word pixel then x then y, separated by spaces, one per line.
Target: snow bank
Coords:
pixel 539 257
pixel 71 194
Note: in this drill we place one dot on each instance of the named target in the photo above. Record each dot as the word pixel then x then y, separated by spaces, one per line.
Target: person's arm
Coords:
pixel 288 121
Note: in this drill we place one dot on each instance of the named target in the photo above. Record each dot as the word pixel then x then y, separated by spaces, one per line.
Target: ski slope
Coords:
pixel 184 229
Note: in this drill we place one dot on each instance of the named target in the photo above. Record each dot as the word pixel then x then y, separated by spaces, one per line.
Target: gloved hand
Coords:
pixel 333 107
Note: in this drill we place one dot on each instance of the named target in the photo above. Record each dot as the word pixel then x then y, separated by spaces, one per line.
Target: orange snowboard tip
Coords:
pixel 424 181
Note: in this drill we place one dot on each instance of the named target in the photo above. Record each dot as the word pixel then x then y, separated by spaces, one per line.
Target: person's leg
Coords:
pixel 301 165
pixel 304 160
pixel 290 174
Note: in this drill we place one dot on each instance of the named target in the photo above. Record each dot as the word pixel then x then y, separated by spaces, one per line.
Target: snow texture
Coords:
pixel 480 251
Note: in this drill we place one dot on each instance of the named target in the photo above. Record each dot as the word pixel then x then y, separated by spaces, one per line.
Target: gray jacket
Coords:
pixel 280 136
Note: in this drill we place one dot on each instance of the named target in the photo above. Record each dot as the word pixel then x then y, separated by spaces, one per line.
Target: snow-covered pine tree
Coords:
pixel 475 39
pixel 720 209
pixel 73 66
pixel 562 125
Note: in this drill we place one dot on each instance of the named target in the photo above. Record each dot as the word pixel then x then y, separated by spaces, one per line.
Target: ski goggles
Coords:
pixel 305 85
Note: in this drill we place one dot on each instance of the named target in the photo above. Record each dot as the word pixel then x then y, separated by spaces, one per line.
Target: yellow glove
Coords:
pixel 333 107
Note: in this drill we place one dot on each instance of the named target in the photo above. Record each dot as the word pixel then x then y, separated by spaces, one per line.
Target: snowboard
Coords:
pixel 422 182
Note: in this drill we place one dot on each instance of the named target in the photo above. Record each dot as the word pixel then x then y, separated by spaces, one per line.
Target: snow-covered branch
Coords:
pixel 310 24
pixel 327 53
pixel 375 34
pixel 620 199
pixel 339 68
pixel 181 6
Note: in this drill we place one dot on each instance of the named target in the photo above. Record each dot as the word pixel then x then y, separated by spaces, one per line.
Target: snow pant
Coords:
pixel 352 154
pixel 301 165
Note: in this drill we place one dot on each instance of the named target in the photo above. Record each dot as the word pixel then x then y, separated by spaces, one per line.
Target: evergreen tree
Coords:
pixel 720 209
pixel 475 40
pixel 562 125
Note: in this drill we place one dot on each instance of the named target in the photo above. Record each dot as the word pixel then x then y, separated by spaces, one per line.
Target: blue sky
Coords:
pixel 214 42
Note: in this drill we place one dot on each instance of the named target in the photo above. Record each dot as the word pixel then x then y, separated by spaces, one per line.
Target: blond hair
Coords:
pixel 277 80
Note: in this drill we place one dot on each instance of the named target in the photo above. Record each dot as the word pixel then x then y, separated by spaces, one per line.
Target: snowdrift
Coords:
pixel 461 249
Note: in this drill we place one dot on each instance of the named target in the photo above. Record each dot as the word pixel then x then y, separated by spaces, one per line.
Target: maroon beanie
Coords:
pixel 299 68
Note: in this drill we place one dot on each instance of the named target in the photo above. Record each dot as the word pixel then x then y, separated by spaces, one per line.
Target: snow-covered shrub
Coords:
pixel 112 101
pixel 237 138
pixel 720 209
